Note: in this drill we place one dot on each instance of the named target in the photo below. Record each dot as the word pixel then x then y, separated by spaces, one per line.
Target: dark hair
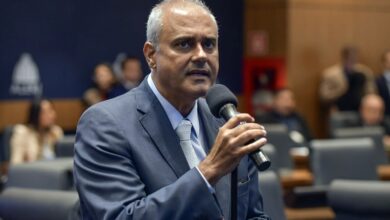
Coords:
pixel 35 111
pixel 109 66
pixel 129 58
pixel 347 51
pixel 106 64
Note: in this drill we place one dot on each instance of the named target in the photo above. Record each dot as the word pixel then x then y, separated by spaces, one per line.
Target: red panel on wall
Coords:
pixel 262 76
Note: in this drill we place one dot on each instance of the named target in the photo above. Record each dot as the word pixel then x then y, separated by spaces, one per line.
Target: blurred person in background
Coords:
pixel 284 112
pixel 131 72
pixel 383 82
pixel 372 114
pixel 36 140
pixel 105 85
pixel 343 85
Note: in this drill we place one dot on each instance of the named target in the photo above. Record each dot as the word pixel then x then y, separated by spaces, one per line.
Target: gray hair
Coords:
pixel 154 24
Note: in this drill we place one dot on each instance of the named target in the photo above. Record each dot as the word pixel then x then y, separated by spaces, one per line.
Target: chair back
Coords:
pixel 65 146
pixel 278 136
pixel 376 133
pixel 343 159
pixel 271 190
pixel 34 204
pixel 358 200
pixel 53 174
pixel 342 119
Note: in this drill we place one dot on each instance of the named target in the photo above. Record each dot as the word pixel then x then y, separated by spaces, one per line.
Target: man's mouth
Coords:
pixel 199 72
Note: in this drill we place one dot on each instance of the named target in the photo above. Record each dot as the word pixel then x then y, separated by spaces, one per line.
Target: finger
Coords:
pixel 260 124
pixel 248 136
pixel 262 127
pixel 249 148
pixel 237 119
pixel 246 127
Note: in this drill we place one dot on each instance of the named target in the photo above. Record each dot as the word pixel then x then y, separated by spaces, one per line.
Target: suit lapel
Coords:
pixel 211 126
pixel 156 123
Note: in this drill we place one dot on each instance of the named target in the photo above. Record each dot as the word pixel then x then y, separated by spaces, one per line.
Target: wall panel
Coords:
pixel 68 112
pixel 317 30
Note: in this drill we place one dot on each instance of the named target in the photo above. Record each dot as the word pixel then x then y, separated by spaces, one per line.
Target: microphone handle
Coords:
pixel 261 161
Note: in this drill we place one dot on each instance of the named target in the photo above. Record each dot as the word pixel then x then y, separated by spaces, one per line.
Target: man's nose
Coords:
pixel 200 54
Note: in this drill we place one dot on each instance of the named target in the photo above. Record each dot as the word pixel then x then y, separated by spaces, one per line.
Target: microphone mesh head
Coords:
pixel 218 96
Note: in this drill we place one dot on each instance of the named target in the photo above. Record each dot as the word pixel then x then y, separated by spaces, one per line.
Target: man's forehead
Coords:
pixel 182 10
pixel 188 18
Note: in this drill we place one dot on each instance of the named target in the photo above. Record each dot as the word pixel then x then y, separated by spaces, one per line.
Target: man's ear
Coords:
pixel 149 53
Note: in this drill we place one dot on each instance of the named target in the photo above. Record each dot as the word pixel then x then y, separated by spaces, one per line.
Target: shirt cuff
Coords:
pixel 211 188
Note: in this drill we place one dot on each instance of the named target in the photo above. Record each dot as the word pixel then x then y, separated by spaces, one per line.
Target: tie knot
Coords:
pixel 183 131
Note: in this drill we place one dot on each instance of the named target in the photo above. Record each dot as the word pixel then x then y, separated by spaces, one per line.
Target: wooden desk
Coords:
pixel 317 213
pixel 384 172
pixel 295 178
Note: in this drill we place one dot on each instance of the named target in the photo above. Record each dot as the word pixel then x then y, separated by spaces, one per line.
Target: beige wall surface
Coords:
pixel 269 16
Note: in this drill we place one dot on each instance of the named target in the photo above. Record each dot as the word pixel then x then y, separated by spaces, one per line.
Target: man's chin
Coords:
pixel 200 90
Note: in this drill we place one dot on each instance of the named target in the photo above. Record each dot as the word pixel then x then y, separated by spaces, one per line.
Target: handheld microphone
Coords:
pixel 223 103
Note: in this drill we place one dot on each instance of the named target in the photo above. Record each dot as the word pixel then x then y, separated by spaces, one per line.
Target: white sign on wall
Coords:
pixel 25 77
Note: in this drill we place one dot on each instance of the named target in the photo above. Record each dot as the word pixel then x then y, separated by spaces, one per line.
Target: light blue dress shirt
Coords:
pixel 175 117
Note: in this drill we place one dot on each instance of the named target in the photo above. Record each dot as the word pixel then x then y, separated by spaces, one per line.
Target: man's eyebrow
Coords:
pixel 183 38
pixel 210 38
pixel 195 37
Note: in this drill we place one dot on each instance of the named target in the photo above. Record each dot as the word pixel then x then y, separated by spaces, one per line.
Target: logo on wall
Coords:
pixel 25 77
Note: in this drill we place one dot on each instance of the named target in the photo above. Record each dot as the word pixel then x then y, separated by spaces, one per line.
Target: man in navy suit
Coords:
pixel 383 82
pixel 129 160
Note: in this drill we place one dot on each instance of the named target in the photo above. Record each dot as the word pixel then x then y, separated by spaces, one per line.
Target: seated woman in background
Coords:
pixel 105 85
pixel 36 140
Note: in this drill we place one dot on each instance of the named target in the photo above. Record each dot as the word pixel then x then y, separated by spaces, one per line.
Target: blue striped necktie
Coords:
pixel 183 131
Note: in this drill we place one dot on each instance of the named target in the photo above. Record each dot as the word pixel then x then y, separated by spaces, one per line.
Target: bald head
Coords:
pixel 372 109
pixel 156 19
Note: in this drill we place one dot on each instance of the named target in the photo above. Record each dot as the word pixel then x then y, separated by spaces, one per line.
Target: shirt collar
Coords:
pixel 175 117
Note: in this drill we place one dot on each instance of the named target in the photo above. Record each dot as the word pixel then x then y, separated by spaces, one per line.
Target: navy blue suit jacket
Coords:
pixel 129 165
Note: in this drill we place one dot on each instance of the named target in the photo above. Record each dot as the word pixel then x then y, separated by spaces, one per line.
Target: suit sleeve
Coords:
pixel 109 186
pixel 255 211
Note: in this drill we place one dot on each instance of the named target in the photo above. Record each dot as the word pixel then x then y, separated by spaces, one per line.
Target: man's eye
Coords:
pixel 209 44
pixel 184 44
